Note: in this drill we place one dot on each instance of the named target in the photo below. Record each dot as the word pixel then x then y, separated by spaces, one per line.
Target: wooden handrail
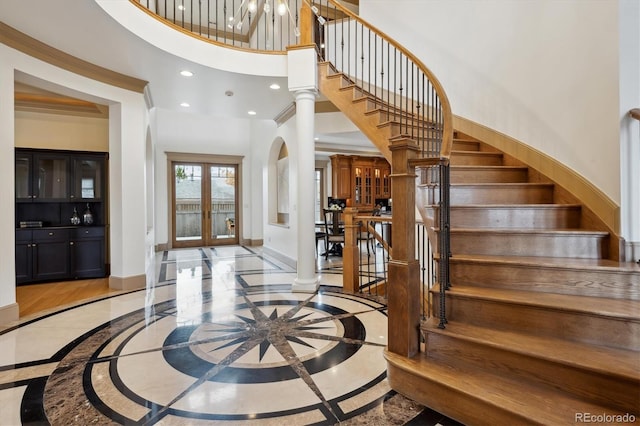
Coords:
pixel 635 113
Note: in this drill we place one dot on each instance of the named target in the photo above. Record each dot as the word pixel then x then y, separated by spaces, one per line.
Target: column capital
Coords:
pixel 305 94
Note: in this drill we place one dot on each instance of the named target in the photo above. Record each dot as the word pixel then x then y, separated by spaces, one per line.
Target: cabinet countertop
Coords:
pixel 59 227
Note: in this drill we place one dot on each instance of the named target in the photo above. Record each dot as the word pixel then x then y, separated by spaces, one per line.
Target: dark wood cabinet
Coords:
pixel 363 181
pixel 41 176
pixel 50 185
pixel 87 252
pixel 24 259
pixel 50 254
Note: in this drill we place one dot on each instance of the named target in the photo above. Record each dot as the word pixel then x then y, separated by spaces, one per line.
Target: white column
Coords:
pixel 127 147
pixel 303 82
pixel 8 306
pixel 306 279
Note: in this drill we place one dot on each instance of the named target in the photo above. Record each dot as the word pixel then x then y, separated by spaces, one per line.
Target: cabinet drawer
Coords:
pixel 88 232
pixel 44 235
pixel 24 236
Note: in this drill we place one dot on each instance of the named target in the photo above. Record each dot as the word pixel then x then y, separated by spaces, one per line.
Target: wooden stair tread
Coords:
pixel 532 403
pixel 505 184
pixel 588 305
pixel 383 109
pixel 414 124
pixel 478 153
pixel 485 168
pixel 560 262
pixel 624 364
pixel 511 206
pixel 365 96
pixel 514 231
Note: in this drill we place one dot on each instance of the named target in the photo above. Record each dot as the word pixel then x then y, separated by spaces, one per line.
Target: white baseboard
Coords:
pixel 9 314
pixel 632 251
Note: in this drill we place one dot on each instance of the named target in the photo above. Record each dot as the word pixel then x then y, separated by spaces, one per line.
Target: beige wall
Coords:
pixel 543 72
pixel 57 131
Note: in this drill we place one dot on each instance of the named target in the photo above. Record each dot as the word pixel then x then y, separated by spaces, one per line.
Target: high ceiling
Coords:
pixel 82 29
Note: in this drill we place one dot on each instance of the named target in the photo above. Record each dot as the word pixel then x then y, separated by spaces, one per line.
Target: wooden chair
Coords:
pixel 334 233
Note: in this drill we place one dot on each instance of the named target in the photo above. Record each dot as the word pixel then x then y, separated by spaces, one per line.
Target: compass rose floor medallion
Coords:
pixel 218 338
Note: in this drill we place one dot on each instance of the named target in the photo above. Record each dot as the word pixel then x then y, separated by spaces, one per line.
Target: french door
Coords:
pixel 204 204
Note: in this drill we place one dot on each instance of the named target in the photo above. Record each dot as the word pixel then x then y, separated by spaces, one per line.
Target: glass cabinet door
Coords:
pixel 24 189
pixel 87 179
pixel 357 185
pixel 367 189
pixel 51 177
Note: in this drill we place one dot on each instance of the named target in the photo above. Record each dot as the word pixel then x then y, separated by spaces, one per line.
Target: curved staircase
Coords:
pixel 543 322
pixel 542 327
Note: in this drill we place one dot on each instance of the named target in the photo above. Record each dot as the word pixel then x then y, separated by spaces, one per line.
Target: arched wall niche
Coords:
pixel 278 183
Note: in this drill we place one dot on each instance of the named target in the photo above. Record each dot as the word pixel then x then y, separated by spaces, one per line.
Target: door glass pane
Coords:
pixel 88 183
pixel 23 184
pixel 52 178
pixel 188 187
pixel 223 201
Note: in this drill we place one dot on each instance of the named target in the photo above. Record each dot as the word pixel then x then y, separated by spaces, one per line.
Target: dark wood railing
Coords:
pixel 635 113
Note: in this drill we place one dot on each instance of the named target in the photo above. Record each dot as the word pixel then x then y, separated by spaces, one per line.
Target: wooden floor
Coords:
pixel 39 298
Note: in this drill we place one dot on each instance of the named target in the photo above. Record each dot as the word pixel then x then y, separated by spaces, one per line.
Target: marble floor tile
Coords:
pixel 217 338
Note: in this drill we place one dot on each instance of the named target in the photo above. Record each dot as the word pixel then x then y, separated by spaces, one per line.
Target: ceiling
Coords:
pixel 82 29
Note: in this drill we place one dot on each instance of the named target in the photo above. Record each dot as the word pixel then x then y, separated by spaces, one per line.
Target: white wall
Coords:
pixel 194 134
pixel 630 128
pixel 544 72
pixel 127 125
pixel 281 238
pixel 7 185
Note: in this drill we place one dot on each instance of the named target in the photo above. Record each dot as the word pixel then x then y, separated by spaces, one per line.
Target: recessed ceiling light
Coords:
pixel 251 112
pixel 274 86
pixel 186 73
pixel 316 139
pixel 181 7
pixel 185 104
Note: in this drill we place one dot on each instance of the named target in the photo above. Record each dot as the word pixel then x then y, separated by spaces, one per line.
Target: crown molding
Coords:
pixel 37 49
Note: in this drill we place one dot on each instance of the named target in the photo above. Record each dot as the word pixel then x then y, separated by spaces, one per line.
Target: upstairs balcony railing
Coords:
pixel 262 25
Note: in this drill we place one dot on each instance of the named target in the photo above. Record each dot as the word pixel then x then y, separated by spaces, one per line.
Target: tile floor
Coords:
pixel 219 339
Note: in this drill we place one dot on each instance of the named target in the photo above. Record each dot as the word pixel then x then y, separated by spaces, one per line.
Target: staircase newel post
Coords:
pixel 404 268
pixel 306 24
pixel 350 253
